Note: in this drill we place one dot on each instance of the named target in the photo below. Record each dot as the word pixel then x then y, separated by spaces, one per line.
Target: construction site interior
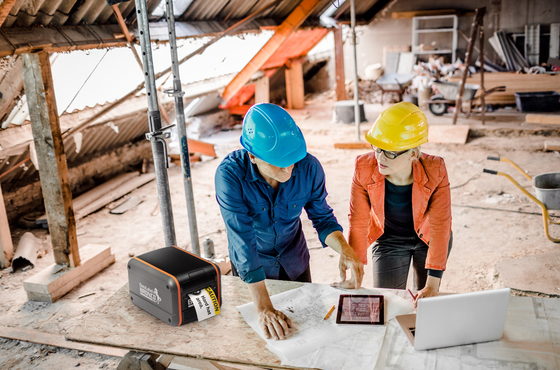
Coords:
pixel 90 89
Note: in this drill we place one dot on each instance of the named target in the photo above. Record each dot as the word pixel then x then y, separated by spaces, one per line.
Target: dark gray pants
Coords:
pixel 391 256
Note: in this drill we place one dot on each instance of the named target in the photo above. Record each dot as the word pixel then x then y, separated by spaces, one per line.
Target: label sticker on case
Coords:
pixel 205 303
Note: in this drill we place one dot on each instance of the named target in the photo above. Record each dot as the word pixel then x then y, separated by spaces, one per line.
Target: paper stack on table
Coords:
pixel 316 342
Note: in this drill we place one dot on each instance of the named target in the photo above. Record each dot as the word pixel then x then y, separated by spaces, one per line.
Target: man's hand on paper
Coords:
pixel 348 260
pixel 275 324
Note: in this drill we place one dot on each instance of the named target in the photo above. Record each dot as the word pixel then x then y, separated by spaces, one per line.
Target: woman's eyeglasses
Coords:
pixel 388 154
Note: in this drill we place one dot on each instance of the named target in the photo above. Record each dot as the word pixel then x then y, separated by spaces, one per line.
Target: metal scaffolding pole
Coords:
pixel 177 93
pixel 156 135
pixel 357 117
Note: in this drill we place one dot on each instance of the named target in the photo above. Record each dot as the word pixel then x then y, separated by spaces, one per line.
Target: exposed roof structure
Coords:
pixel 67 25
pixel 62 25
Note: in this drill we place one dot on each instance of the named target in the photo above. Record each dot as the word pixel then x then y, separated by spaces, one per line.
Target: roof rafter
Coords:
pixel 5 8
pixel 284 30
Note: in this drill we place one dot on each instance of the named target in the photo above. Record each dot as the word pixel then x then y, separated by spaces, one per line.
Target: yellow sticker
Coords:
pixel 214 300
pixel 205 303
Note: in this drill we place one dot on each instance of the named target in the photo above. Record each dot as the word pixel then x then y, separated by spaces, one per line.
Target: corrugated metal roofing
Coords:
pixel 101 137
pixel 200 17
pixel 29 13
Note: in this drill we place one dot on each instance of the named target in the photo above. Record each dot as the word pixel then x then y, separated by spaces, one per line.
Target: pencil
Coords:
pixel 329 313
pixel 413 296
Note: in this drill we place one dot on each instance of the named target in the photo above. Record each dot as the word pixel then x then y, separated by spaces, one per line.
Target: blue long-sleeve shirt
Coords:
pixel 263 228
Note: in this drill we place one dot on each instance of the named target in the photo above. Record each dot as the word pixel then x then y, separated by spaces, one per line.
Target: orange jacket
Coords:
pixel 431 206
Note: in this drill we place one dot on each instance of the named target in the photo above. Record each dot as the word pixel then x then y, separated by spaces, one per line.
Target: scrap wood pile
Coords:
pixel 514 72
pixel 369 92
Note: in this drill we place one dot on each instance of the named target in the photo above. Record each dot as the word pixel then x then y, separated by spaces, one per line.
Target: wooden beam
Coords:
pixel 197 146
pixel 294 85
pixel 6 246
pixel 11 86
pixel 353 145
pixel 262 90
pixel 291 24
pixel 339 65
pixel 552 145
pixel 115 194
pixel 60 39
pixel 422 13
pixel 5 7
pixel 543 119
pixel 57 341
pixel 124 28
pixel 53 169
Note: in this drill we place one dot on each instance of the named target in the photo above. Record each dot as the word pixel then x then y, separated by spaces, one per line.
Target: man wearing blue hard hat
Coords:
pixel 262 190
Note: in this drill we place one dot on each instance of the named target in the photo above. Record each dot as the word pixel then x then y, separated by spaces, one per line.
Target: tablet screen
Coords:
pixel 360 309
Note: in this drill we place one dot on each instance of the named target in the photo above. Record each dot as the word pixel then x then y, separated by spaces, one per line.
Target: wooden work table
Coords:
pixel 225 338
pixel 531 335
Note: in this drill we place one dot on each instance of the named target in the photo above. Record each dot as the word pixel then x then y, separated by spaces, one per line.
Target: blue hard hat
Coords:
pixel 270 134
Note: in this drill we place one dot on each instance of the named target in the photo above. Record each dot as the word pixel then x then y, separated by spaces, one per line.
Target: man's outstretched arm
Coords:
pixel 348 260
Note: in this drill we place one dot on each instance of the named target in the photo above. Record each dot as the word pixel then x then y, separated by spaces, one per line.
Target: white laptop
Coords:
pixel 457 319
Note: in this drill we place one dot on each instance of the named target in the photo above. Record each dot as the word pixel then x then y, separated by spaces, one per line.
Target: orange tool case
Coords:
pixel 160 282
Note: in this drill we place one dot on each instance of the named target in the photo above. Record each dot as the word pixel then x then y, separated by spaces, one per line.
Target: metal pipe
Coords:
pixel 356 89
pixel 181 127
pixel 156 134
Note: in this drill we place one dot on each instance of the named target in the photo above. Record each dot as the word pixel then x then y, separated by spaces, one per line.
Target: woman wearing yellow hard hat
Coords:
pixel 401 202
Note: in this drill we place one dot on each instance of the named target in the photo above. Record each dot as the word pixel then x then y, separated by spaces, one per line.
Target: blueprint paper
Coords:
pixel 358 351
pixel 307 307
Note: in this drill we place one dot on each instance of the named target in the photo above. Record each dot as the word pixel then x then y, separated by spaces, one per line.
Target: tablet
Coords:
pixel 360 309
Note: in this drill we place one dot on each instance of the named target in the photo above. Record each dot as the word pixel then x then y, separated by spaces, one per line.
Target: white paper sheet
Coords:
pixel 307 307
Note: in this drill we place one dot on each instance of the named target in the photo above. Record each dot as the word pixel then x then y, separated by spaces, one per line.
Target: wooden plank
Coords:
pixel 59 341
pixel 53 169
pixel 54 282
pixel 5 8
pixel 543 119
pixel 197 146
pixel 239 109
pixel 354 145
pixel 62 165
pixel 60 39
pixel 294 85
pixel 126 206
pixel 513 82
pixel 455 134
pixel 226 338
pixel 6 246
pixel 11 86
pixel 339 65
pixel 89 196
pixel 422 13
pixel 552 145
pixel 115 194
pixel 290 25
pixel 205 364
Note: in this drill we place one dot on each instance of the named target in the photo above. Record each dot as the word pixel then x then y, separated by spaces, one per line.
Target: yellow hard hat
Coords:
pixel 400 127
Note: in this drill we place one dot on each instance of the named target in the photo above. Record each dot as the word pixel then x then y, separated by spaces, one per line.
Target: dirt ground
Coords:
pixel 492 220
